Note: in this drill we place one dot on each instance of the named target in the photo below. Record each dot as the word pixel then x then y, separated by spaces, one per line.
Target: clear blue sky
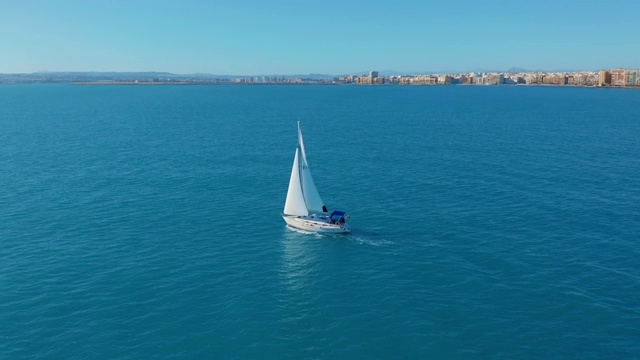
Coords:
pixel 245 37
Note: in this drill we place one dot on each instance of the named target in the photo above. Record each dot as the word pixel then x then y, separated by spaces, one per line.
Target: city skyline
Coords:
pixel 388 72
pixel 608 77
pixel 286 37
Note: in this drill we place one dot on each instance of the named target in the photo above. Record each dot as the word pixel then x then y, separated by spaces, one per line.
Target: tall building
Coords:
pixel 623 77
pixel 604 78
pixel 635 77
pixel 445 79
pixel 373 77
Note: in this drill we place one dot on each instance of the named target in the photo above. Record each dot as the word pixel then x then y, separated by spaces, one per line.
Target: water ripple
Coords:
pixel 144 223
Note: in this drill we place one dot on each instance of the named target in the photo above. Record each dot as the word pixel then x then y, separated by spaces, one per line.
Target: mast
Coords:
pixel 310 193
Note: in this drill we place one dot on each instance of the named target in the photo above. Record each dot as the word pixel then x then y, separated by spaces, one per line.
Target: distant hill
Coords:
pixel 89 76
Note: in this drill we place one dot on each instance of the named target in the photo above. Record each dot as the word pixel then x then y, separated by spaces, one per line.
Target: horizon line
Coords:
pixel 394 72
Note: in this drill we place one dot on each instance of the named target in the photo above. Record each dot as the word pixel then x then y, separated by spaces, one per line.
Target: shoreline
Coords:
pixel 214 83
pixel 187 83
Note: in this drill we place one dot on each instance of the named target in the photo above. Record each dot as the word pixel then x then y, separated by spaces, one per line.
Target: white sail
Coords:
pixel 295 204
pixel 311 196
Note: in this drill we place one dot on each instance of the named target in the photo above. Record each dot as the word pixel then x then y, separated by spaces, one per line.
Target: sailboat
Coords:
pixel 304 208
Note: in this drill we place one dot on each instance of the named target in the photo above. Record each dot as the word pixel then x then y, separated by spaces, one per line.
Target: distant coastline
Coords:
pixel 132 83
pixel 603 78
pixel 188 83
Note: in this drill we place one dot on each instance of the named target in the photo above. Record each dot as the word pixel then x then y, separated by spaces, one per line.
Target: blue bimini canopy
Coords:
pixel 336 215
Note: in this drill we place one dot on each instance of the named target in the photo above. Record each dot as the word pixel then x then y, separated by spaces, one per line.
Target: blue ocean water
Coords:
pixel 489 222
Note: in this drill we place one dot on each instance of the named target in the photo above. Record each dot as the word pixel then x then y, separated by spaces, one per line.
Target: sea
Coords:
pixel 489 222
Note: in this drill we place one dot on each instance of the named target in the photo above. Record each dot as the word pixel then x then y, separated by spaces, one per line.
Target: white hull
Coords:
pixel 316 224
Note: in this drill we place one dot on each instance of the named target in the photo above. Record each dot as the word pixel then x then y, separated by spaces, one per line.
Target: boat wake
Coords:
pixel 373 242
pixel 356 238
